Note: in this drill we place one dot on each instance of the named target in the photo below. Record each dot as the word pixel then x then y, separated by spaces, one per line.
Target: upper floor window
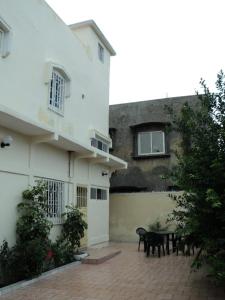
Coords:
pixel 57 92
pixel 1 39
pixel 58 82
pixel 100 52
pixel 5 38
pixel 151 142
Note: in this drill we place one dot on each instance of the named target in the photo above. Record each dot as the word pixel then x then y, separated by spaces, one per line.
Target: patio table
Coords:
pixel 167 234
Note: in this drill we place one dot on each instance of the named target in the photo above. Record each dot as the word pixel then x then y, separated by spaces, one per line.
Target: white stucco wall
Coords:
pixel 39 36
pixel 23 162
pixel 11 187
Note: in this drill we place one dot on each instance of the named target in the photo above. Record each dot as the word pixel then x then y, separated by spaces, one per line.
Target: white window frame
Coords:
pixel 82 196
pixel 5 45
pixel 101 52
pixel 52 68
pixel 57 92
pixel 1 40
pixel 55 211
pixel 102 191
pixel 95 142
pixel 150 134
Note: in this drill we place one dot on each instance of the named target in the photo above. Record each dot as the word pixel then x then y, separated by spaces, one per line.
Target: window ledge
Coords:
pixel 151 156
pixel 61 114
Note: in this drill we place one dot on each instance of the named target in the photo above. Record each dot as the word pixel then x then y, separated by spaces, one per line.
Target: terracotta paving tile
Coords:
pixel 128 276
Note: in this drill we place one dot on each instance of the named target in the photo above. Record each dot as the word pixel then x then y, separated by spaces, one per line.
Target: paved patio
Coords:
pixel 129 275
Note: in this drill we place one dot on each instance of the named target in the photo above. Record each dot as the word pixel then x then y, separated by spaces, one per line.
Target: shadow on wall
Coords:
pixel 129 180
pixel 135 180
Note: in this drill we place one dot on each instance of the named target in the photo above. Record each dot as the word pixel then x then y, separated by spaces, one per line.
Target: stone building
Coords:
pixel 141 136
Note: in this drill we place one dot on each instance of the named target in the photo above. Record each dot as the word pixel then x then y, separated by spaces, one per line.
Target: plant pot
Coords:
pixel 80 255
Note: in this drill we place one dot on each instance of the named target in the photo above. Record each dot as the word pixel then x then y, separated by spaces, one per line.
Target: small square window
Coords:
pixel 97 143
pixel 100 52
pixel 98 194
pixel 81 196
pixel 93 193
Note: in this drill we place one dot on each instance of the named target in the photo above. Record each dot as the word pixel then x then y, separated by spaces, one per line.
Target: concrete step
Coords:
pixel 98 256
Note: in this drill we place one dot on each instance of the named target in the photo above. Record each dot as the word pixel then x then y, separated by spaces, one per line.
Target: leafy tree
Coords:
pixel 200 172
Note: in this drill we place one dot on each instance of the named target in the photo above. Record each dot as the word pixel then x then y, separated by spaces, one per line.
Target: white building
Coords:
pixel 54 87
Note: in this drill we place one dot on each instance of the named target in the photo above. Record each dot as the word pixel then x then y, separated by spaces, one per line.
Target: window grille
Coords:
pixel 5 38
pixel 81 196
pixel 1 40
pixel 55 199
pixel 97 143
pixel 57 92
pixel 100 52
pixel 152 142
pixel 98 194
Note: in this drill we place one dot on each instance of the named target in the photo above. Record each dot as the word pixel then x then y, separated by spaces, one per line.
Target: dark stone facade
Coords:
pixel 144 173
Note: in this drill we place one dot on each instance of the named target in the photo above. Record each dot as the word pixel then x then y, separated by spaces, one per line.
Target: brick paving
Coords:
pixel 130 275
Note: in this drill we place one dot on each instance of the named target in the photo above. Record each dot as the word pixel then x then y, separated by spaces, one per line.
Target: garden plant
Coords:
pixel 200 173
pixel 34 252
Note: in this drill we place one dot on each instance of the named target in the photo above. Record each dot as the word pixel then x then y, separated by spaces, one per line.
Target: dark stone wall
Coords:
pixel 125 120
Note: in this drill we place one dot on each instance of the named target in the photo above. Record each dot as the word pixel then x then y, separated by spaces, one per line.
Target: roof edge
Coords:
pixel 96 29
pixel 158 99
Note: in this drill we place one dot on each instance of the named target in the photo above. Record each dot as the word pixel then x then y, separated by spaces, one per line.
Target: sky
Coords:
pixel 163 47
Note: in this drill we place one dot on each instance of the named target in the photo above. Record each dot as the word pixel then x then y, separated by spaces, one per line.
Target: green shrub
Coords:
pixel 73 227
pixel 33 230
pixel 157 226
pixel 5 264
pixel 62 253
pixel 34 252
pixel 33 223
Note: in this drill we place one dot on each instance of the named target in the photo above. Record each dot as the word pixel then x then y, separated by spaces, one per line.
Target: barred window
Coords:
pixel 100 53
pixel 98 194
pixel 1 40
pixel 57 92
pixel 81 196
pixel 5 38
pixel 55 199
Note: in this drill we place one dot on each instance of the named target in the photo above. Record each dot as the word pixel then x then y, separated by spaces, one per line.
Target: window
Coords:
pixel 5 38
pixel 98 194
pixel 57 92
pixel 55 199
pixel 152 142
pixel 100 52
pixel 81 196
pixel 1 40
pixel 97 143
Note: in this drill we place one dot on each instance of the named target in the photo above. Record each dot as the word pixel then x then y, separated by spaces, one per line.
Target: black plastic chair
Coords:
pixel 154 240
pixel 185 244
pixel 141 232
